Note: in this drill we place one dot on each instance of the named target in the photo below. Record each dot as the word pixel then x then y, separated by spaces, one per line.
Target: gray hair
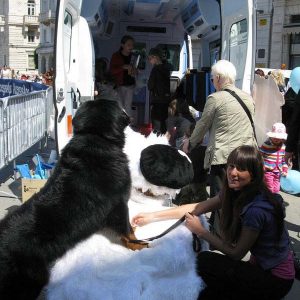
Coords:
pixel 225 69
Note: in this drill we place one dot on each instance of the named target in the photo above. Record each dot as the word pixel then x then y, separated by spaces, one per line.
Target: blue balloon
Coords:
pixel 295 79
pixel 291 183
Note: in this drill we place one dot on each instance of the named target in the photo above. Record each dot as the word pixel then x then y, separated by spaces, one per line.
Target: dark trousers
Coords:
pixel 235 280
pixel 217 177
pixel 159 115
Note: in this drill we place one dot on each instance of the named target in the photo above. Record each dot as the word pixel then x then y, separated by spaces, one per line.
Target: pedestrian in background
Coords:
pixel 124 72
pixel 292 149
pixel 5 72
pixel 273 152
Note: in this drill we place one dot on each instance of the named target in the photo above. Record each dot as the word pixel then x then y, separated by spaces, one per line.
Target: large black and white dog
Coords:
pixel 88 190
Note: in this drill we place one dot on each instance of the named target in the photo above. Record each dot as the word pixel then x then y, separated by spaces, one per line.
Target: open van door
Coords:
pixel 74 67
pixel 239 39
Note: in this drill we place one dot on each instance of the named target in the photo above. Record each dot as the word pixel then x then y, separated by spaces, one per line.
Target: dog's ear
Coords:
pixel 163 165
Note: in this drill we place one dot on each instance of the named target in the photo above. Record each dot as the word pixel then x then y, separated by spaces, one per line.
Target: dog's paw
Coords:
pixel 128 242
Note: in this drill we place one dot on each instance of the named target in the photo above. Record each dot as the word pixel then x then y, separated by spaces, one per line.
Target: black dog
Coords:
pixel 88 190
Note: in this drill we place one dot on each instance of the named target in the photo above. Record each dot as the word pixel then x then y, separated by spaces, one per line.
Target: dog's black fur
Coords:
pixel 88 190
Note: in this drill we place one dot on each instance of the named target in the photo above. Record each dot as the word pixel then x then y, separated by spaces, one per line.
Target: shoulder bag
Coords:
pixel 233 94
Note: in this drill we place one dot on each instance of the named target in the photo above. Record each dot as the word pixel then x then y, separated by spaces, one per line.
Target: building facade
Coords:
pixel 278 33
pixel 19 33
pixel 47 28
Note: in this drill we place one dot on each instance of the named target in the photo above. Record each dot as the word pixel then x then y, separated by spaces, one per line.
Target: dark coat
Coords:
pixel 294 128
pixel 159 84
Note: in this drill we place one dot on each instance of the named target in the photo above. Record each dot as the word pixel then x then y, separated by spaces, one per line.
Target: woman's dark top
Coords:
pixel 159 84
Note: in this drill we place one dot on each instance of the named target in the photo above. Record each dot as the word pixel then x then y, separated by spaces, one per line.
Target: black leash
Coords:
pixel 196 240
pixel 181 220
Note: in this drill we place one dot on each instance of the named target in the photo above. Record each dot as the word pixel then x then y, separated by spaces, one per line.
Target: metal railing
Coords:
pixel 24 121
pixel 31 20
pixel 2 133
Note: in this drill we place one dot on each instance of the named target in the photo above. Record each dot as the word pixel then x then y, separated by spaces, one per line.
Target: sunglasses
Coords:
pixel 212 78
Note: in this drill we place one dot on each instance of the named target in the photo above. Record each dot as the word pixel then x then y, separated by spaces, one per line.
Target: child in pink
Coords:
pixel 273 152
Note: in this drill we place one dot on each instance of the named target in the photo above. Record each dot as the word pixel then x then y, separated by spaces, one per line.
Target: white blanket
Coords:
pixel 100 269
pixel 97 268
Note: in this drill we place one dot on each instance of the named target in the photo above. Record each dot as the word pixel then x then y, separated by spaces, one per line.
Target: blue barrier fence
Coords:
pixel 24 121
pixel 12 87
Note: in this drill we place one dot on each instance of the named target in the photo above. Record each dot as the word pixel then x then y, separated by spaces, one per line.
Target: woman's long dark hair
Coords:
pixel 246 158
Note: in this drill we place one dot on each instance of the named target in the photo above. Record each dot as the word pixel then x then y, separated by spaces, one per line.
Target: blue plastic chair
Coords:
pixel 24 171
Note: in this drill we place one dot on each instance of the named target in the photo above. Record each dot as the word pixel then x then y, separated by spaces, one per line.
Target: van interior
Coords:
pixel 192 35
pixel 171 25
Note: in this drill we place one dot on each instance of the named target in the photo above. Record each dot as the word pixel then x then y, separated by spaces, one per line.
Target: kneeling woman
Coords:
pixel 252 219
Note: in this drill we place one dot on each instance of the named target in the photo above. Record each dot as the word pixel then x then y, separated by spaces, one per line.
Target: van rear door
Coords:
pixel 239 39
pixel 74 71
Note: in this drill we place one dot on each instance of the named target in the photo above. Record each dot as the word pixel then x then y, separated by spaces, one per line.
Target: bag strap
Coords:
pixel 233 94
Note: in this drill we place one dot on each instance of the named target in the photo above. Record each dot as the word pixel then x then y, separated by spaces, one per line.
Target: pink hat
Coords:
pixel 278 132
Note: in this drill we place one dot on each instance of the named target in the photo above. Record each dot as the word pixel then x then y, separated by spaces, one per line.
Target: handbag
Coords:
pixel 233 94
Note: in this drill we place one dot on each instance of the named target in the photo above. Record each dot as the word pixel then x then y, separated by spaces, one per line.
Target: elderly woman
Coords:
pixel 225 119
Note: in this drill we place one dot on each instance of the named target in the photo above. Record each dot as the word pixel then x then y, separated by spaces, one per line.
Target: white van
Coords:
pixel 194 33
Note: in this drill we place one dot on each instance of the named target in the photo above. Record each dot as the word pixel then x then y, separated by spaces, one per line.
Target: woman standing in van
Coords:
pixel 123 72
pixel 159 89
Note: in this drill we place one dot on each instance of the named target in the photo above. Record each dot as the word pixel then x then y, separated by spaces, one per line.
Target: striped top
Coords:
pixel 273 156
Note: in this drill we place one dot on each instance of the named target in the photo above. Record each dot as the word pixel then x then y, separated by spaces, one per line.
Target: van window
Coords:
pixel 238 46
pixel 140 50
pixel 67 39
pixel 214 51
pixel 171 54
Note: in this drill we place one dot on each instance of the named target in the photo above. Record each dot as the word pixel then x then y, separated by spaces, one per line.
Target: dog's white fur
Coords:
pixel 134 145
pixel 98 268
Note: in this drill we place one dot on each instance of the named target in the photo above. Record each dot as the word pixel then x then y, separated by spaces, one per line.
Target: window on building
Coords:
pixel 295 18
pixel 52 35
pixel 31 7
pixel 45 4
pixel 31 64
pixel 43 64
pixel 294 61
pixel 261 53
pixel 295 38
pixel 53 5
pixel 45 36
pixel 31 36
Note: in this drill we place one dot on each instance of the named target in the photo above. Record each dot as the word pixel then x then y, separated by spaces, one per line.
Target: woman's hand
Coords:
pixel 193 223
pixel 142 219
